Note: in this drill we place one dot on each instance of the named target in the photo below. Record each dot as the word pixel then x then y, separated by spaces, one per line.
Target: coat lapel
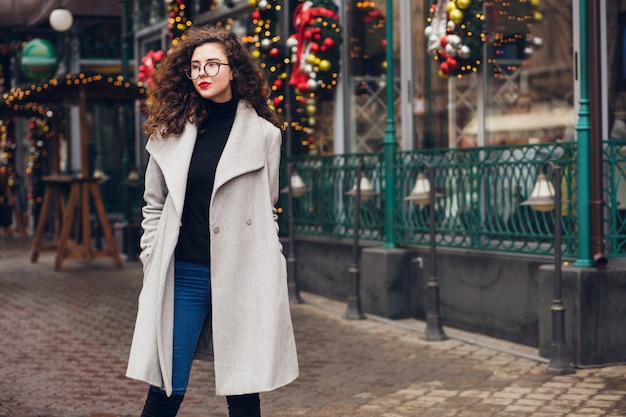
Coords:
pixel 173 156
pixel 244 152
pixel 245 148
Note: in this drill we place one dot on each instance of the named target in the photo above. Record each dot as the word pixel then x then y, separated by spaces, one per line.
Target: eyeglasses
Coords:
pixel 211 69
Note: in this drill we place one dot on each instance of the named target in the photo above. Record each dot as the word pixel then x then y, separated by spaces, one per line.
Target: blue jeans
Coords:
pixel 192 303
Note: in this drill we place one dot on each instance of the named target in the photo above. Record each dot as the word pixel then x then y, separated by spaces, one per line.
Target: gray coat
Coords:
pixel 250 335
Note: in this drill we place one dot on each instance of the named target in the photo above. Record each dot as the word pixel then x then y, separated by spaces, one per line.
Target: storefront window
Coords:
pixel 528 77
pixel 520 87
pixel 151 12
pixel 366 75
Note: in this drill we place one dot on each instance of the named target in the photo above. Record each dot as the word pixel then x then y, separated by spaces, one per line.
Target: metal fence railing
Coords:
pixel 478 208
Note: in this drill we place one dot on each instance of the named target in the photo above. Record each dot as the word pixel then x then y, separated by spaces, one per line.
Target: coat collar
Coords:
pixel 244 152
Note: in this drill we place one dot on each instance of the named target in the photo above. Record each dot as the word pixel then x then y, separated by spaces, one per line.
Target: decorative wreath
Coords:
pixel 315 46
pixel 456 35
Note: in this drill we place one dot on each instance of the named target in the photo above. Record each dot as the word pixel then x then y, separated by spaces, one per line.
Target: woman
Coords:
pixel 214 283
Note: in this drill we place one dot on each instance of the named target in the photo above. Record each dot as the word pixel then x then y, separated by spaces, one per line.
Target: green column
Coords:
pixel 583 138
pixel 389 142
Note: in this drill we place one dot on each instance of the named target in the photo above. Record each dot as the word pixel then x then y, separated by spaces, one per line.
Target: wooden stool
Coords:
pixel 76 213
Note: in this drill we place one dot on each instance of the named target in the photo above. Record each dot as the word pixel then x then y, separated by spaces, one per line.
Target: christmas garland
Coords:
pixel 7 151
pixel 268 50
pixel 39 136
pixel 178 22
pixel 315 46
pixel 456 35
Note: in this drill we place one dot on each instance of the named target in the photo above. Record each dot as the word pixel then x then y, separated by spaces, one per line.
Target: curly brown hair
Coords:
pixel 172 100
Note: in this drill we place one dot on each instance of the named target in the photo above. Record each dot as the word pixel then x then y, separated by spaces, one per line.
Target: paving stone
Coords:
pixel 65 340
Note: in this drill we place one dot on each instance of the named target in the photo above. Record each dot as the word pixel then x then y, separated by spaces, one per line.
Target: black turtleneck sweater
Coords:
pixel 193 242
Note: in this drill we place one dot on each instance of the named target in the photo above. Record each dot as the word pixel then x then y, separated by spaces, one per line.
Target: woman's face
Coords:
pixel 205 60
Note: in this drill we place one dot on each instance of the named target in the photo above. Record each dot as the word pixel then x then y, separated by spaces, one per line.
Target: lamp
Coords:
pixel 420 194
pixel 365 188
pixel 361 191
pixel 423 193
pixel 544 195
pixel 298 187
pixel 61 19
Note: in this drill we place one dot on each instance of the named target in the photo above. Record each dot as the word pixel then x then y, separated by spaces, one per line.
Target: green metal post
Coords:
pixel 389 142
pixel 583 130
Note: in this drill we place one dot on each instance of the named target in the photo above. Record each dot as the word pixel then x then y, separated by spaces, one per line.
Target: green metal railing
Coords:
pixel 614 171
pixel 479 205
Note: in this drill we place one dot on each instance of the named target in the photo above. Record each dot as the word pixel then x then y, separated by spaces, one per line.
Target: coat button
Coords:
pixel 216 229
pixel 249 222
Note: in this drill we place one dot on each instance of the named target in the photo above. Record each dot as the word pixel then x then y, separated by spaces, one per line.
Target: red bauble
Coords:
pixel 274 52
pixel 453 64
pixel 444 67
pixel 256 14
pixel 444 40
pixel 314 47
pixel 329 42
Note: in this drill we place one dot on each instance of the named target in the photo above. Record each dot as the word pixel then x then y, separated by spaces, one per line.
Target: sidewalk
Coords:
pixel 64 341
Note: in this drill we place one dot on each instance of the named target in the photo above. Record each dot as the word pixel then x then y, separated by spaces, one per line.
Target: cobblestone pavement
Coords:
pixel 64 341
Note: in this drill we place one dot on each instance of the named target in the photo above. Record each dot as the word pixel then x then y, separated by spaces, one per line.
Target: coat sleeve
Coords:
pixel 273 168
pixel 154 197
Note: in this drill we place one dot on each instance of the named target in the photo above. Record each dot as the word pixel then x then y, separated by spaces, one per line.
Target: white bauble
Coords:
pixel 265 43
pixel 464 51
pixel 450 50
pixel 454 40
pixel 434 42
pixel 428 31
pixel 312 84
pixel 292 42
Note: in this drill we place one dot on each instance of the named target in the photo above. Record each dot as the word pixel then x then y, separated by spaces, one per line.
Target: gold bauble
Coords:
pixel 463 4
pixel 325 65
pixel 456 16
